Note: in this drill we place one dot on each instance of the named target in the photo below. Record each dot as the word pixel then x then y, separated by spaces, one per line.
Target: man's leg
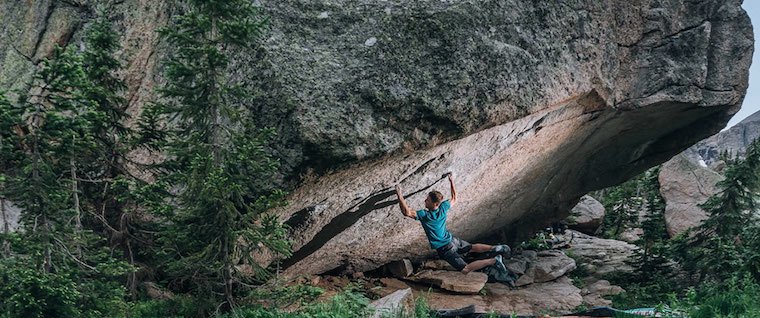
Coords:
pixel 484 248
pixel 481 248
pixel 476 265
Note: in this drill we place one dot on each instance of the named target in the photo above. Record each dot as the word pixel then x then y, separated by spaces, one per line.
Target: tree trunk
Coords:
pixel 6 228
pixel 77 210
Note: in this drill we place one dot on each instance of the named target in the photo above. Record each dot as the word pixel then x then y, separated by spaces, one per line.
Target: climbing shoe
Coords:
pixel 503 250
pixel 500 264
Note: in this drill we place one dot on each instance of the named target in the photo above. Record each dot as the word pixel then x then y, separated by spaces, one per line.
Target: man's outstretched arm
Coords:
pixel 402 204
pixel 453 190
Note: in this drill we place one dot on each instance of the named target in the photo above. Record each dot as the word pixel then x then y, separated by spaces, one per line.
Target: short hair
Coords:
pixel 436 196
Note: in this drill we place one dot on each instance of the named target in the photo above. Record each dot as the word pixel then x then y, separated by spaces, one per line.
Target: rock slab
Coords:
pixel 391 304
pixel 470 283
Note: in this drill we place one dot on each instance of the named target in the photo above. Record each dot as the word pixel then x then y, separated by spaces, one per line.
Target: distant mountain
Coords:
pixel 734 140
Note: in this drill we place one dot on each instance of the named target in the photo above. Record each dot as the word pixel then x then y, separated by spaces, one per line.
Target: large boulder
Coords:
pixel 685 185
pixel 530 103
pixel 600 257
pixel 586 216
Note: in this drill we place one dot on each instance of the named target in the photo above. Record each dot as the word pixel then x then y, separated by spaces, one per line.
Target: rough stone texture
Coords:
pixel 552 265
pixel 586 216
pixel 685 185
pixel 600 257
pixel 547 266
pixel 470 283
pixel 557 296
pixel 517 266
pixel 9 216
pixel 401 269
pixel 437 264
pixel 391 304
pixel 632 235
pixel 530 103
pixel 594 294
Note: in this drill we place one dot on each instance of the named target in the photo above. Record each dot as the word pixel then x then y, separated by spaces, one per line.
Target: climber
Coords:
pixel 449 247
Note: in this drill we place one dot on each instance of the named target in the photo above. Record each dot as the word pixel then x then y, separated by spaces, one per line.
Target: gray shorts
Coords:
pixel 453 252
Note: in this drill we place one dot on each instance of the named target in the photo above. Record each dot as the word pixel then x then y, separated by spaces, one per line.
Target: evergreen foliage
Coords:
pixel 622 204
pixel 217 170
pixel 53 139
pixel 725 243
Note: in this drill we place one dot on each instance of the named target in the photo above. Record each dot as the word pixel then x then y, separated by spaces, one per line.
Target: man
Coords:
pixel 449 247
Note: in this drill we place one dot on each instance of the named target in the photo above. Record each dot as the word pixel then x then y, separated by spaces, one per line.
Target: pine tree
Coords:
pixel 218 168
pixel 58 142
pixel 622 204
pixel 107 183
pixel 717 249
pixel 652 255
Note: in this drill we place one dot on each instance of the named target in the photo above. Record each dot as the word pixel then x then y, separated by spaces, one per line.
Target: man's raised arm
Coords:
pixel 453 190
pixel 402 204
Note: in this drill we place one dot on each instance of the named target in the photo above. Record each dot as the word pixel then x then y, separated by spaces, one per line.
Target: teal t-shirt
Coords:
pixel 434 224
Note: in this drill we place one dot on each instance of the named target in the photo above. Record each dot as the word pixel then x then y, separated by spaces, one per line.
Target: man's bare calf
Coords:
pixel 476 265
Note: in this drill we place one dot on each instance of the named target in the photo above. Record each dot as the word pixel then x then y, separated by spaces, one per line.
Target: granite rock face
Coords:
pixel 530 103
pixel 601 257
pixel 587 215
pixel 685 185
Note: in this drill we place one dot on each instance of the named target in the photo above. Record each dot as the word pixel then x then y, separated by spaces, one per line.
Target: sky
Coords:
pixel 752 100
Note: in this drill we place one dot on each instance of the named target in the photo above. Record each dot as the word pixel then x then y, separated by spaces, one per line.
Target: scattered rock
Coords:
pixel 527 278
pixel 552 265
pixel 470 283
pixel 600 257
pixel 559 295
pixel 517 266
pixel 528 255
pixel 392 303
pixel 586 216
pixel 401 269
pixel 538 267
pixel 685 185
pixel 437 264
pixel 594 294
pixel 370 42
